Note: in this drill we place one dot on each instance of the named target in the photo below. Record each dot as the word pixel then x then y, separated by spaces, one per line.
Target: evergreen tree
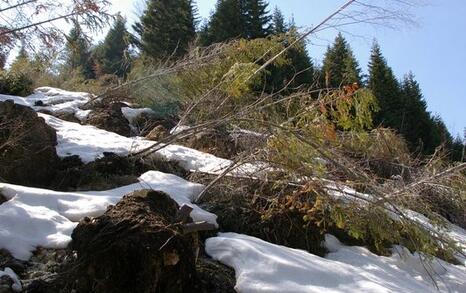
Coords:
pixel 279 25
pixel 166 28
pixel 227 22
pixel 257 19
pixel 203 37
pixel 415 123
pixel 21 61
pixel 340 67
pixel 386 88
pixel 233 19
pixel 300 67
pixel 112 54
pixel 78 54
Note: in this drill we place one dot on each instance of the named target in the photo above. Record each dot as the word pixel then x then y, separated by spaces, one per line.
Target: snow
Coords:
pixel 12 275
pixel 54 100
pixel 90 143
pixel 132 113
pixel 264 267
pixel 34 217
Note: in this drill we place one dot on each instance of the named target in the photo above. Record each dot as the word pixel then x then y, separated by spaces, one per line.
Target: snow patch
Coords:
pixel 264 267
pixel 90 143
pixel 131 114
pixel 34 217
pixel 54 100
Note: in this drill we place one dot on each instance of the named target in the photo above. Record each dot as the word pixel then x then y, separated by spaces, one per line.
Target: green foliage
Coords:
pixel 226 78
pixel 78 56
pixel 386 88
pixel 15 83
pixel 112 55
pixel 279 25
pixel 166 28
pixel 298 72
pixel 234 19
pixel 227 22
pixel 257 19
pixel 340 67
pixel 416 125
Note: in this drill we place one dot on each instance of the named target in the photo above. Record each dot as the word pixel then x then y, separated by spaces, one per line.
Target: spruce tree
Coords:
pixel 257 19
pixel 113 55
pixel 340 67
pixel 386 88
pixel 300 68
pixel 166 28
pixel 415 123
pixel 21 61
pixel 227 22
pixel 233 19
pixel 78 54
pixel 279 25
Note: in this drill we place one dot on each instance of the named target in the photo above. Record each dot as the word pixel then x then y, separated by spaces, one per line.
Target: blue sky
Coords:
pixel 434 50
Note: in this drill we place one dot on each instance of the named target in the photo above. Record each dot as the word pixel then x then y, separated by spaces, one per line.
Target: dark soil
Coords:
pixel 109 172
pixel 134 247
pixel 27 146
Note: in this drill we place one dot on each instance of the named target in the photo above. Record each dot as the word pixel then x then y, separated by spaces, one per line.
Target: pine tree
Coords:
pixel 112 54
pixel 78 54
pixel 279 25
pixel 257 19
pixel 233 19
pixel 415 123
pixel 386 88
pixel 300 68
pixel 21 61
pixel 166 28
pixel 340 67
pixel 227 22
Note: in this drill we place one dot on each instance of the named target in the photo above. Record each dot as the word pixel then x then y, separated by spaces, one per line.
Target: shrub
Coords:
pixel 216 79
pixel 12 83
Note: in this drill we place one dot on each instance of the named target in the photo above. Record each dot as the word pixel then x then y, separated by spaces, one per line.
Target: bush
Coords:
pixel 12 83
pixel 217 79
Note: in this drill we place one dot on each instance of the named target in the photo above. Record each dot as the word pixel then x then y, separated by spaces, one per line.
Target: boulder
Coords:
pixel 136 246
pixel 110 118
pixel 27 146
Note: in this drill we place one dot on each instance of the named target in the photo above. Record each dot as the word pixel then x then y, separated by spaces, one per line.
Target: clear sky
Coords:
pixel 434 50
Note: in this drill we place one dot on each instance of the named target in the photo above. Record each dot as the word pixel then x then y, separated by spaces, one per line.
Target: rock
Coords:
pixel 134 247
pixel 27 146
pixel 2 199
pixel 110 118
pixel 158 133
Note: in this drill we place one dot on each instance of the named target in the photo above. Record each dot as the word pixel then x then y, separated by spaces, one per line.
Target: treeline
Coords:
pixel 168 29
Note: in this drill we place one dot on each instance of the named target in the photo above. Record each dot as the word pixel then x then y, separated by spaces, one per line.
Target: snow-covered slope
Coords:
pixel 264 267
pixel 32 218
pixel 54 100
pixel 35 217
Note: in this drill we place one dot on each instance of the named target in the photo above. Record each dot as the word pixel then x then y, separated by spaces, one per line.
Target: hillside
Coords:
pixel 37 223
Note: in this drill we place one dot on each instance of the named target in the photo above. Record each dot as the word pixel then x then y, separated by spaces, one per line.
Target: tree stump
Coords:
pixel 136 246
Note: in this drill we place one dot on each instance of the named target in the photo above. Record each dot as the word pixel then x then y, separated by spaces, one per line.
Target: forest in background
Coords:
pixel 169 35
